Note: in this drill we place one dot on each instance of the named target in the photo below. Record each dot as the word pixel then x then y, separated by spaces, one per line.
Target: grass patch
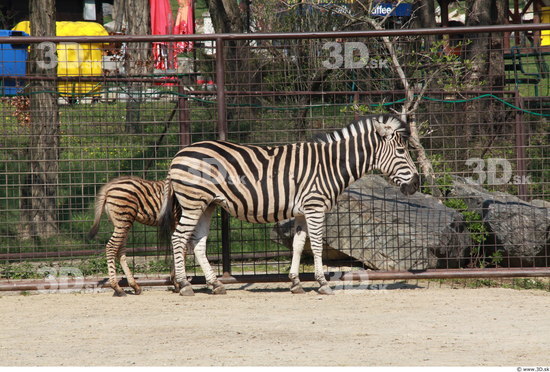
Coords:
pixel 512 283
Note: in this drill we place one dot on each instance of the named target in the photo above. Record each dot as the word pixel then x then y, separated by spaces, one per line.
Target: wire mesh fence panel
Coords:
pixel 480 125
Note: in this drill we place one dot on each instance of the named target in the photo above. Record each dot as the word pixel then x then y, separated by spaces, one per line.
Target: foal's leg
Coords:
pixel 115 243
pixel 315 226
pixel 199 242
pixel 297 248
pixel 129 276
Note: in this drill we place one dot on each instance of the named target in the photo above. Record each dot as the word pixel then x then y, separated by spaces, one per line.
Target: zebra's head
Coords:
pixel 392 154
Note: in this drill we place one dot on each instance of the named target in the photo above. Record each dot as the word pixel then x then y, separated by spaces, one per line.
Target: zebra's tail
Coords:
pixel 166 215
pixel 99 206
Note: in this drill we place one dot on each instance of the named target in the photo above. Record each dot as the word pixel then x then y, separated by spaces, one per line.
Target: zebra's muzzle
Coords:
pixel 411 187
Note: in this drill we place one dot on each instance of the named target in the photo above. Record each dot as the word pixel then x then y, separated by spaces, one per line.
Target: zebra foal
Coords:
pixel 269 184
pixel 126 200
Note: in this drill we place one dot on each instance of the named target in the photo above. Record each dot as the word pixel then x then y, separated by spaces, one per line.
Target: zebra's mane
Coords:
pixel 363 124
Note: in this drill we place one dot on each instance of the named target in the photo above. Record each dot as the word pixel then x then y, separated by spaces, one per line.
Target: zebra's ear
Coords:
pixel 386 126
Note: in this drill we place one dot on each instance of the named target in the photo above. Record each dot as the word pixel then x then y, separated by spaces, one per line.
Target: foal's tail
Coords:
pixel 99 207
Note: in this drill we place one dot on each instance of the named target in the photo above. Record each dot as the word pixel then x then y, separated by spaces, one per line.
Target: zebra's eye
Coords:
pixel 400 151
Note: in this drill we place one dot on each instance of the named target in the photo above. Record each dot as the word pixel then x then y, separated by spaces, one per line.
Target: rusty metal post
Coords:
pixel 222 136
pixel 356 102
pixel 521 165
pixel 184 116
pixel 220 89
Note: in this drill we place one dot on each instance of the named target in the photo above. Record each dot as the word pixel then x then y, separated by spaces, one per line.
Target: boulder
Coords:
pixel 519 229
pixel 373 222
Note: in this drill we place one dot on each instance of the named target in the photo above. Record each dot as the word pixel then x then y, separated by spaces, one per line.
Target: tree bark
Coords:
pixel 424 17
pixel 38 196
pixel 137 61
pixel 230 16
pixel 484 50
pixel 226 16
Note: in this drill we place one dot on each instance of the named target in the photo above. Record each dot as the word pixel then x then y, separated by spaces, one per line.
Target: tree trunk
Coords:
pixel 484 50
pixel 38 196
pixel 230 16
pixel 424 17
pixel 137 61
pixel 119 15
pixel 226 16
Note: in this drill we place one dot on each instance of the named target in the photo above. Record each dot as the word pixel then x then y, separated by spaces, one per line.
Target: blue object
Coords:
pixel 13 62
pixel 382 10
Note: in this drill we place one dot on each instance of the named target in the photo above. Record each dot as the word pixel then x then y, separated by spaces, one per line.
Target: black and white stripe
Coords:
pixel 126 200
pixel 268 184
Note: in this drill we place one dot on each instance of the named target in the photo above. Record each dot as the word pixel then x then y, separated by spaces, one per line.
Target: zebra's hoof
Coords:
pixel 187 291
pixel 120 293
pixel 219 290
pixel 297 289
pixel 325 290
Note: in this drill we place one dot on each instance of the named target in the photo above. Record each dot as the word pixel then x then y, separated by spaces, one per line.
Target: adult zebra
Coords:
pixel 268 184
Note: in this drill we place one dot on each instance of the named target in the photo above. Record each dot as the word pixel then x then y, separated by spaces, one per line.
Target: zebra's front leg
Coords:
pixel 297 248
pixel 199 238
pixel 315 226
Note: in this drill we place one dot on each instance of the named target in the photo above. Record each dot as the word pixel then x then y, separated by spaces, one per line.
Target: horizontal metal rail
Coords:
pixel 101 79
pixel 134 252
pixel 361 276
pixel 276 35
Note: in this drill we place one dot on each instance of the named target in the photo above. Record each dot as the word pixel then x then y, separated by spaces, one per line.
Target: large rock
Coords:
pixel 520 230
pixel 375 223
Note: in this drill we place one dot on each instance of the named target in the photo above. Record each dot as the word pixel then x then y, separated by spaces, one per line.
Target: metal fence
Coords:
pixel 485 211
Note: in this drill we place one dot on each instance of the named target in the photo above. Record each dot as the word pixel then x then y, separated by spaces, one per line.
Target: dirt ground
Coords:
pixel 264 325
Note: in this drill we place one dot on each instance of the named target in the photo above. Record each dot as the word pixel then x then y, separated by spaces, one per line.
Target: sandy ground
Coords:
pixel 421 325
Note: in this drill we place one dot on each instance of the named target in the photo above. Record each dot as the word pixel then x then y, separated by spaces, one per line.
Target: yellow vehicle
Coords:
pixel 76 59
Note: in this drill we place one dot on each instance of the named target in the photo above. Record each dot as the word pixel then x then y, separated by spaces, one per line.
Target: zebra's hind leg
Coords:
pixel 315 226
pixel 111 251
pixel 179 241
pixel 129 276
pixel 181 238
pixel 199 246
pixel 173 279
pixel 297 248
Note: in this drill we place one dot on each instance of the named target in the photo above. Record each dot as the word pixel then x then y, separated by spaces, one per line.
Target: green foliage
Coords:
pixel 18 271
pixel 94 266
pixel 444 183
pixel 443 172
pixel 365 109
pixel 453 69
pixel 530 283
pixel 514 283
pixel 156 266
pixel 478 233
pixel 473 220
